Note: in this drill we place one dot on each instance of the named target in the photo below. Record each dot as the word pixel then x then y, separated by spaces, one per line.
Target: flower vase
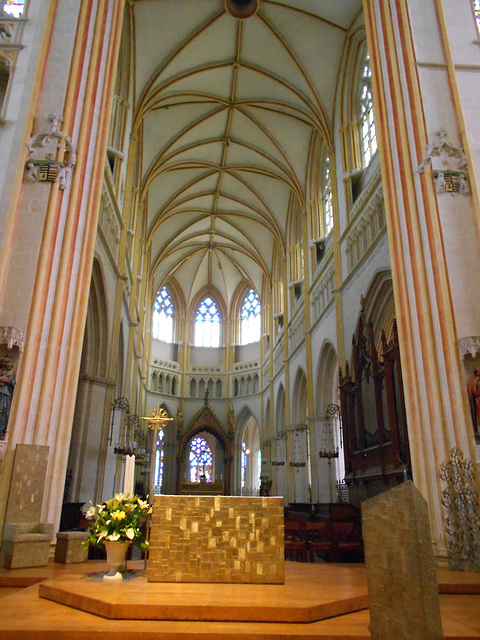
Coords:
pixel 116 552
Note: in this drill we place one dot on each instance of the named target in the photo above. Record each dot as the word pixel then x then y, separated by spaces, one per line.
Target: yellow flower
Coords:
pixel 118 515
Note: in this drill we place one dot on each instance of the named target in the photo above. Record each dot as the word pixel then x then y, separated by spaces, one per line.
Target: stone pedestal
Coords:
pixel 69 547
pixel 401 571
pixel 26 545
pixel 26 540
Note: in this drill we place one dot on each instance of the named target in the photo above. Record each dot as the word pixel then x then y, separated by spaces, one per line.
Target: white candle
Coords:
pixel 129 475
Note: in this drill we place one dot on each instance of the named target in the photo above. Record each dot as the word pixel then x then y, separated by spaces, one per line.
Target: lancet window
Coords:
pixel 244 463
pixel 327 197
pixel 367 119
pixel 207 324
pixel 162 325
pixel 250 318
pixel 158 472
pixel 201 460
pixel 476 8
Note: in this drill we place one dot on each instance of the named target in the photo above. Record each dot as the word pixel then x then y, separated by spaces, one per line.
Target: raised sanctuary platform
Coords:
pixel 26 616
pixel 303 598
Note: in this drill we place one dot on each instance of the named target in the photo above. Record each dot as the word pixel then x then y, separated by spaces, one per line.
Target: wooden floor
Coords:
pixel 25 615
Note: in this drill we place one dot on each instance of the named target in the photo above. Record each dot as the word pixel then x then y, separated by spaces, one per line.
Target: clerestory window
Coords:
pixel 367 119
pixel 327 197
pixel 13 8
pixel 207 324
pixel 162 323
pixel 250 330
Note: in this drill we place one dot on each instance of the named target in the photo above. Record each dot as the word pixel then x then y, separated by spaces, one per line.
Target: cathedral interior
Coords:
pixel 257 219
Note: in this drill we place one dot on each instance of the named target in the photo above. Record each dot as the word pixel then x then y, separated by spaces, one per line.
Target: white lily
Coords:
pixel 113 537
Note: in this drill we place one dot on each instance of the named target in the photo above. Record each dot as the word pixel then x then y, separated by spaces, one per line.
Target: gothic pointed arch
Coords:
pixel 95 341
pixel 299 406
pixel 326 378
pixel 208 294
pixel 205 420
pixel 379 305
pixel 248 445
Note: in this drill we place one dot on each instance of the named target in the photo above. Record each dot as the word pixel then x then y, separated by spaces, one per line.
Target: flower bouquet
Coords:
pixel 118 519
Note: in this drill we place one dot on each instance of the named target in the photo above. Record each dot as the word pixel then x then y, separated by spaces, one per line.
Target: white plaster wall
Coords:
pixel 460 237
pixel 356 287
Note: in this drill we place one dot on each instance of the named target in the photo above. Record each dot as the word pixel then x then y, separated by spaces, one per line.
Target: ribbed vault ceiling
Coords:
pixel 226 109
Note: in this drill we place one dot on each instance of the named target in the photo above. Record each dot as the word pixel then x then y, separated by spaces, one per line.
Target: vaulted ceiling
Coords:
pixel 226 109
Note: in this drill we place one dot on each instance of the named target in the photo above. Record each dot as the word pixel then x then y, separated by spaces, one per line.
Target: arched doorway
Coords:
pixel 248 445
pixel 327 440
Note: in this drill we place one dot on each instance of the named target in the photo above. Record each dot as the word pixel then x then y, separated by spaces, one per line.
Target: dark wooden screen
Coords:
pixel 373 416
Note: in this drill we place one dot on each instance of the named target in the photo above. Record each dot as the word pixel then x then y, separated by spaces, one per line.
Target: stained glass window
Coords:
pixel 162 323
pixel 327 197
pixel 207 324
pixel 244 463
pixel 250 318
pixel 13 8
pixel 476 8
pixel 158 472
pixel 367 120
pixel 201 460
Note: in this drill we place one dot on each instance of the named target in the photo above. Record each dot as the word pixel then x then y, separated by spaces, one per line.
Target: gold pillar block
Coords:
pixel 217 539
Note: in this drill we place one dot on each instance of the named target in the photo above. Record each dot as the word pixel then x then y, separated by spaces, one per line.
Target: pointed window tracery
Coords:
pixel 367 119
pixel 207 324
pixel 327 197
pixel 250 319
pixel 162 324
pixel 201 460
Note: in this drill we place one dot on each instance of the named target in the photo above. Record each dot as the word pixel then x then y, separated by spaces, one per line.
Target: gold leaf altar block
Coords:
pixel 217 539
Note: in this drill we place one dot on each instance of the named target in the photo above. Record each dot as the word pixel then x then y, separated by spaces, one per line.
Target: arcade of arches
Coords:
pixel 227 194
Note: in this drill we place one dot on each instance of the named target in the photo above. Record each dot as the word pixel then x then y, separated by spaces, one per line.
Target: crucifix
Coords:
pixel 157 419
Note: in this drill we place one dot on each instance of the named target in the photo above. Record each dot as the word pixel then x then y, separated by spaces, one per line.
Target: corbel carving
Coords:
pixel 469 346
pixel 12 337
pixel 48 169
pixel 440 154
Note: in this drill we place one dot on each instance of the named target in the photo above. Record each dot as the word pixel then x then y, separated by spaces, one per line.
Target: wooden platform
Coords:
pixel 305 597
pixel 27 616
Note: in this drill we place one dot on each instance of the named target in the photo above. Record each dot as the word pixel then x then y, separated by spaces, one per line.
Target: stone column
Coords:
pixel 44 401
pixel 413 100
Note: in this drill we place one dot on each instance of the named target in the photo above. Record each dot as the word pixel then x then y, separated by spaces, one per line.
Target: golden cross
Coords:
pixel 157 418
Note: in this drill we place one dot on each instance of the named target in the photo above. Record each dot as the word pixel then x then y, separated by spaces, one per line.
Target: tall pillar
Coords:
pixel 44 399
pixel 413 100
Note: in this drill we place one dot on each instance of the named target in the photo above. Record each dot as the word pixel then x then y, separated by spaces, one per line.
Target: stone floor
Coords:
pixel 26 616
